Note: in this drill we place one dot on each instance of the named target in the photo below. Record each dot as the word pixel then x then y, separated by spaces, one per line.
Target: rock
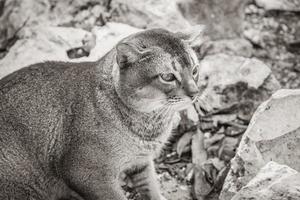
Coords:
pixel 17 15
pixel 69 13
pixel 49 43
pixel 254 35
pixel 272 135
pixel 273 182
pixel 286 5
pixel 107 37
pixel 149 14
pixel 230 80
pixel 172 189
pixel 235 47
pixel 52 43
pixel 223 17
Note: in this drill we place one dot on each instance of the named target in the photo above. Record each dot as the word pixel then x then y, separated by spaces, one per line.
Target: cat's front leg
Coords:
pixel 101 191
pixel 94 178
pixel 145 182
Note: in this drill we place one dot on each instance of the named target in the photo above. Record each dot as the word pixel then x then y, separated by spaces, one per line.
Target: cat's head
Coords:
pixel 157 69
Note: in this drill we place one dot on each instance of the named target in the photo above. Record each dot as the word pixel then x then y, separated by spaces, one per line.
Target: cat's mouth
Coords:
pixel 202 104
pixel 181 103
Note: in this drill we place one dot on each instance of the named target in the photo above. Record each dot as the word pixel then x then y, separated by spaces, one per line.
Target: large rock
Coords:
pixel 273 135
pixel 224 18
pixel 234 80
pixel 75 13
pixel 286 5
pixel 234 47
pixel 86 14
pixel 149 14
pixel 273 182
pixel 49 43
pixel 52 43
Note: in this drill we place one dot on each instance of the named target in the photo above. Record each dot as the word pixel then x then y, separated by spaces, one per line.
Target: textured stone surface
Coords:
pixel 52 43
pixel 222 17
pixel 234 47
pixel 149 14
pixel 273 135
pixel 287 5
pixel 88 13
pixel 49 43
pixel 224 73
pixel 273 182
pixel 172 189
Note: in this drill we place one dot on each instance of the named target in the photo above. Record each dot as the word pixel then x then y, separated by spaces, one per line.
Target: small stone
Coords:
pixel 253 35
pixel 52 43
pixel 284 27
pixel 97 10
pixel 273 182
pixel 253 8
pixel 285 5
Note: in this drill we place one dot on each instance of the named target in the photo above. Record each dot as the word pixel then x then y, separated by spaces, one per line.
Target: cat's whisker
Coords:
pixel 195 99
pixel 159 113
pixel 164 111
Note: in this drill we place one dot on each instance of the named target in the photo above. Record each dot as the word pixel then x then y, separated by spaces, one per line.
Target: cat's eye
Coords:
pixel 195 71
pixel 168 77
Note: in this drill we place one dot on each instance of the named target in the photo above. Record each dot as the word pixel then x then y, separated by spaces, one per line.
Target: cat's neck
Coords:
pixel 146 126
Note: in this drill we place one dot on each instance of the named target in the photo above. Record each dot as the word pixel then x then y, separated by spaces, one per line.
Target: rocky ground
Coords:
pixel 251 50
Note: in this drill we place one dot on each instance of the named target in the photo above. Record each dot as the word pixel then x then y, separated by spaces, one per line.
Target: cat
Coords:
pixel 67 130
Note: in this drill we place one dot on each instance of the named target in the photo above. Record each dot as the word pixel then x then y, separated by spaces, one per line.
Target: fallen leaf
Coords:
pixel 210 172
pixel 184 143
pixel 213 150
pixel 223 118
pixel 219 181
pixel 217 163
pixel 201 187
pixel 199 155
pixel 214 139
pixel 228 147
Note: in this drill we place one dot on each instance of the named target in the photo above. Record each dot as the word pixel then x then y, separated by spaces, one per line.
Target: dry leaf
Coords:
pixel 201 187
pixel 184 143
pixel 214 139
pixel 219 181
pixel 217 163
pixel 199 155
pixel 213 150
pixel 228 147
pixel 223 118
pixel 189 171
pixel 210 173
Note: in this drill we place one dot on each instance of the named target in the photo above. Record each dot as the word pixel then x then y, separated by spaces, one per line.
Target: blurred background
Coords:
pixel 251 50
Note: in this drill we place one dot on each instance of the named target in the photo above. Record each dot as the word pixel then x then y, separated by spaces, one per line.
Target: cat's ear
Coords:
pixel 193 36
pixel 127 53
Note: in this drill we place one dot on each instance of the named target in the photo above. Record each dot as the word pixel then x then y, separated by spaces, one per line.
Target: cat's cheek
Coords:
pixel 144 105
pixel 186 103
pixel 148 99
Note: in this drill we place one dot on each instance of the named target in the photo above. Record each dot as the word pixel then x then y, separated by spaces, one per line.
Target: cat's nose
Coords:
pixel 191 89
pixel 192 94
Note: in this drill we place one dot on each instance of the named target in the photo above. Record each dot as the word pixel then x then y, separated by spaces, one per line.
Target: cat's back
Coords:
pixel 38 77
pixel 38 95
pixel 44 81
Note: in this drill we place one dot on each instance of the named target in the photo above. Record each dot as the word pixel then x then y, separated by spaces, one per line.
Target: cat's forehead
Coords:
pixel 180 53
pixel 186 59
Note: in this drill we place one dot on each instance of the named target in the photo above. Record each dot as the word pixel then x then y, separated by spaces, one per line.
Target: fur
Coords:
pixel 67 130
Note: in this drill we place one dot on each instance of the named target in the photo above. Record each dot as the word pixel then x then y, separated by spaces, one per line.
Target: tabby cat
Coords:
pixel 67 130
